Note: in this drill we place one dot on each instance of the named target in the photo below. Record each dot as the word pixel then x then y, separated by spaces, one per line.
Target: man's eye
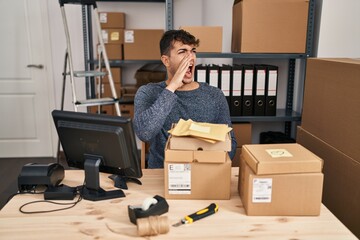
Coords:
pixel 194 51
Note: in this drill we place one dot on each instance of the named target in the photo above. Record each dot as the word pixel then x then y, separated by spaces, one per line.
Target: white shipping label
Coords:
pixel 277 153
pixel 179 178
pixel 262 189
pixel 105 37
pixel 103 17
pixel 129 36
pixel 225 82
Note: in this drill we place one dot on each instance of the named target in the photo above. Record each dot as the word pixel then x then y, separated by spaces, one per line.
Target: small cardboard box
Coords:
pixel 195 174
pixel 113 51
pixel 269 26
pixel 142 44
pixel 112 20
pixel 113 35
pixel 280 179
pixel 210 37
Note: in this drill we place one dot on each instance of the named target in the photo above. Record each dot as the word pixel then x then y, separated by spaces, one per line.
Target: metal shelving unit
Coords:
pixel 286 115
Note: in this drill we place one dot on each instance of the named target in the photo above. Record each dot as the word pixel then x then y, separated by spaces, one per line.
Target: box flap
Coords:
pixel 281 159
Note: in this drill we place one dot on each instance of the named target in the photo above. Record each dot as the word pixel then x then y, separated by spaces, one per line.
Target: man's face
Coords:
pixel 177 53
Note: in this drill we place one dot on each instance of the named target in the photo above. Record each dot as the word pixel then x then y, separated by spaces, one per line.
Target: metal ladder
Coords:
pixel 98 74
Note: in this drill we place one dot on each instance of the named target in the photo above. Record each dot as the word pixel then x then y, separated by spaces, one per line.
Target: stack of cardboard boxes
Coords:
pixel 330 128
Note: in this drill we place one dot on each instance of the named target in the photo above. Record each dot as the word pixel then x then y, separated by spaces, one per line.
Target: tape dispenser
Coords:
pixel 152 206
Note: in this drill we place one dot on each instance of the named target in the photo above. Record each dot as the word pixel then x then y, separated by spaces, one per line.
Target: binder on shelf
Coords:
pixel 236 90
pixel 271 90
pixel 201 73
pixel 213 75
pixel 247 91
pixel 225 81
pixel 259 89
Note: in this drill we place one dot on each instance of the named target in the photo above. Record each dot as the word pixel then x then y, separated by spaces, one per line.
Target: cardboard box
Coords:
pixel 243 133
pixel 112 20
pixel 341 192
pixel 114 51
pixel 331 103
pixel 142 44
pixel 113 36
pixel 278 26
pixel 116 74
pixel 106 90
pixel 106 109
pixel 210 37
pixel 127 110
pixel 193 174
pixel 280 179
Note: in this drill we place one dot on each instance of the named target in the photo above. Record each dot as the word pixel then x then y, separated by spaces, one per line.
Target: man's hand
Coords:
pixel 177 80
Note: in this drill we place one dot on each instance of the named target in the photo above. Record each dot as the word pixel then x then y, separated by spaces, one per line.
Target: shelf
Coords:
pixel 122 63
pixel 252 55
pixel 281 116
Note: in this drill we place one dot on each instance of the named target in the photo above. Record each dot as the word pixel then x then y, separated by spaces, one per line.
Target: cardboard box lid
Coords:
pixel 191 143
pixel 281 159
pixel 189 156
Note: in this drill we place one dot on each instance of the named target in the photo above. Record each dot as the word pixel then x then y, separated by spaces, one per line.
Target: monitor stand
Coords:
pixel 92 190
pixel 121 181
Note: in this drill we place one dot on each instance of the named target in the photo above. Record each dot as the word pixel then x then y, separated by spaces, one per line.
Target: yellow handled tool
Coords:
pixel 211 209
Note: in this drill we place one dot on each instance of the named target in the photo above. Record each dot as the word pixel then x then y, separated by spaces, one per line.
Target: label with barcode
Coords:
pixel 262 189
pixel 179 178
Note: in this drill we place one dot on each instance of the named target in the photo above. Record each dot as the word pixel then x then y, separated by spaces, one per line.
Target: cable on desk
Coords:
pixel 72 204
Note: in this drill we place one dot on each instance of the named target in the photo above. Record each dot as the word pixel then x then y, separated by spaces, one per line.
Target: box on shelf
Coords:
pixel 113 35
pixel 112 20
pixel 106 90
pixel 331 103
pixel 151 72
pixel 116 74
pixel 280 179
pixel 340 194
pixel 269 26
pixel 114 51
pixel 196 174
pixel 142 44
pixel 210 37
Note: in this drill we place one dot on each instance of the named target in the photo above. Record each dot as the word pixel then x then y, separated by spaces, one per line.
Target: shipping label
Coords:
pixel 262 189
pixel 179 178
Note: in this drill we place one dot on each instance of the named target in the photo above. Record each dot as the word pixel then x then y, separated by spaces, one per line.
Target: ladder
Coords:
pixel 98 74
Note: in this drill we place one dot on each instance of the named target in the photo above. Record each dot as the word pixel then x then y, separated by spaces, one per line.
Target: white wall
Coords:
pixel 337 33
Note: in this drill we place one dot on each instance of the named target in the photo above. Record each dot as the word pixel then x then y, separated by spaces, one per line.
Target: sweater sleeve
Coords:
pixel 151 110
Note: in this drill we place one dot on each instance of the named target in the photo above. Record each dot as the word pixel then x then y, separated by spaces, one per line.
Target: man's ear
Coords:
pixel 165 60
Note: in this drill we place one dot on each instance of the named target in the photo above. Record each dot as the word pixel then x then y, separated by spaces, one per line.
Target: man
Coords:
pixel 159 105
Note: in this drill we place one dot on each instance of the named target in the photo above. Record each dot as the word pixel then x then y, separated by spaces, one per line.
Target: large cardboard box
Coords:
pixel 197 174
pixel 210 37
pixel 331 103
pixel 341 192
pixel 112 20
pixel 142 44
pixel 280 179
pixel 277 26
pixel 191 143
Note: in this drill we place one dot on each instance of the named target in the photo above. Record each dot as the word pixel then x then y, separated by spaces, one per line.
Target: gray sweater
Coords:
pixel 157 108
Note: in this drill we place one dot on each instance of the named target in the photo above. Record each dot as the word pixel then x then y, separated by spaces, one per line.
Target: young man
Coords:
pixel 159 105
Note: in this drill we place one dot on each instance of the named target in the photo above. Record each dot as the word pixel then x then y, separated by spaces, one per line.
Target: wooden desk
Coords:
pixel 109 219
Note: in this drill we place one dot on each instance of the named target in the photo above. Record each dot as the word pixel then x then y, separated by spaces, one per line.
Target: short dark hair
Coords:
pixel 171 36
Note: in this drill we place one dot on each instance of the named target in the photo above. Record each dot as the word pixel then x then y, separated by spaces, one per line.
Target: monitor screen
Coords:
pixel 99 143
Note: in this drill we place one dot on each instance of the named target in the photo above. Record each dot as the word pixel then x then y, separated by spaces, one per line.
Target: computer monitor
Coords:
pixel 99 143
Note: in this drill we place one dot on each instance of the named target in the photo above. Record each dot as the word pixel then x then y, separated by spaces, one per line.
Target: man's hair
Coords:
pixel 170 37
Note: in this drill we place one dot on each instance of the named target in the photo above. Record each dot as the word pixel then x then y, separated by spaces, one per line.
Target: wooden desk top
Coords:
pixel 109 219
